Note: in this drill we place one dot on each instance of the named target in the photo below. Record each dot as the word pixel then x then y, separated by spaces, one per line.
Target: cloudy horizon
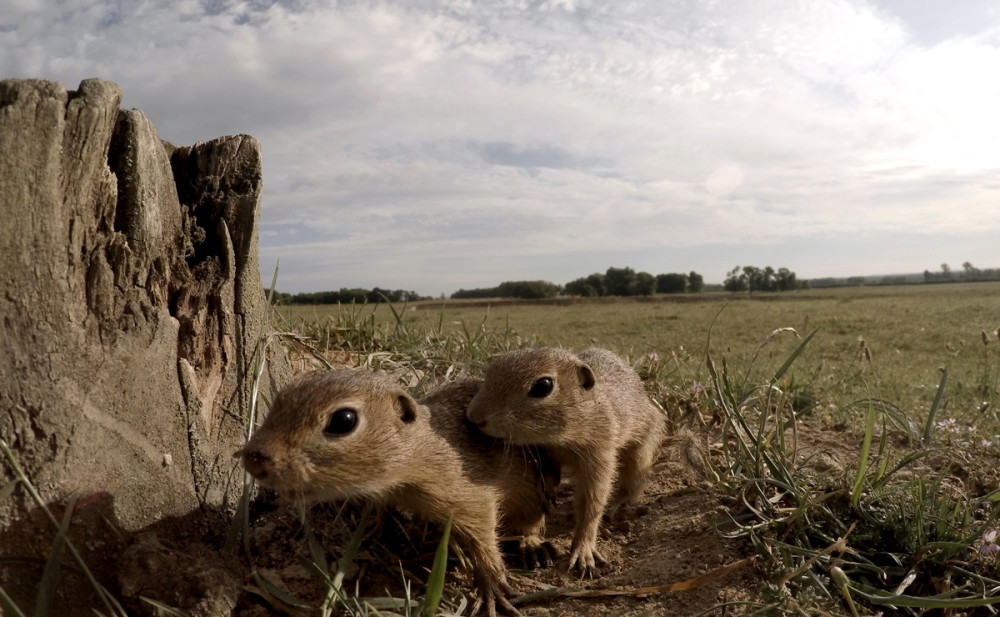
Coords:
pixel 438 145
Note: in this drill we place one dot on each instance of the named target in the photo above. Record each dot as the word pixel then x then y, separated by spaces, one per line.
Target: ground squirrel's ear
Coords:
pixel 407 407
pixel 586 376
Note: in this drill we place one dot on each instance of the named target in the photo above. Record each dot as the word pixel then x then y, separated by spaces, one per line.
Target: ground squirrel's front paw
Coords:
pixel 587 561
pixel 493 595
pixel 536 552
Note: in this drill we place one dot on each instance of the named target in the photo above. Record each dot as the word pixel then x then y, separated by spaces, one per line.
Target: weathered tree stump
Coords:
pixel 131 309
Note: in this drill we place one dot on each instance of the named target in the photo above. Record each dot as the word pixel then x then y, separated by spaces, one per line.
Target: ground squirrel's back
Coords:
pixel 591 411
pixel 527 476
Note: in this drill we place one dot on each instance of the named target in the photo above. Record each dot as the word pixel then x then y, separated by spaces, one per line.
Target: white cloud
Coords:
pixel 440 133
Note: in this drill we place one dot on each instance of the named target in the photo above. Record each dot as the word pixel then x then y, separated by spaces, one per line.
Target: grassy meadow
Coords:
pixel 910 332
pixel 852 432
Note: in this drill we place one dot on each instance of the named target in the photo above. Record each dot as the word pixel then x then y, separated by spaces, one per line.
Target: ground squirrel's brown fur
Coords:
pixel 342 434
pixel 593 414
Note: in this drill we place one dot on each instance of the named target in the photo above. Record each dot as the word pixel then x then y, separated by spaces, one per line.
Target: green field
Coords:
pixel 830 445
pixel 910 331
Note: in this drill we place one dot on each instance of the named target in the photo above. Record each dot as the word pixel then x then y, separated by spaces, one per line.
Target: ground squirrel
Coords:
pixel 593 414
pixel 342 434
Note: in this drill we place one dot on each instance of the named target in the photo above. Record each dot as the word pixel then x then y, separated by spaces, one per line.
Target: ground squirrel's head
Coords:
pixel 334 434
pixel 526 395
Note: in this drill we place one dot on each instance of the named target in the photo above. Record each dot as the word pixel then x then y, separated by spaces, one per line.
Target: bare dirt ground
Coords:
pixel 668 538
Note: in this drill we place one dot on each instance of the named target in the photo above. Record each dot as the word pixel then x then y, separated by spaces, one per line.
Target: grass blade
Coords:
pixel 274 282
pixel 351 551
pixel 435 582
pixel 242 516
pixel 240 527
pixel 316 551
pixel 859 479
pixel 162 609
pixel 904 462
pixel 791 359
pixel 50 575
pixel 929 426
pixel 396 314
pixel 879 596
pixel 7 606
pixel 279 594
pixel 334 591
pixel 387 604
pixel 320 575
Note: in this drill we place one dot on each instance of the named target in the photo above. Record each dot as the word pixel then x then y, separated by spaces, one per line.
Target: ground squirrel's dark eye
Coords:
pixel 541 388
pixel 342 422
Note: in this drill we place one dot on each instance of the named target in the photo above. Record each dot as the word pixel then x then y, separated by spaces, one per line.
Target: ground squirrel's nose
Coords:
pixel 473 418
pixel 473 412
pixel 256 463
pixel 477 421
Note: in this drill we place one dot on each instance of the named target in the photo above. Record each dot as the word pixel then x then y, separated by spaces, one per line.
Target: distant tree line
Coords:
pixel 945 275
pixel 512 289
pixel 968 273
pixel 628 282
pixel 753 279
pixel 613 282
pixel 345 295
pixel 857 281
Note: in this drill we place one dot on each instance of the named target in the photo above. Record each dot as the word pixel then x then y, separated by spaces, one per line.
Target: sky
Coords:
pixel 432 146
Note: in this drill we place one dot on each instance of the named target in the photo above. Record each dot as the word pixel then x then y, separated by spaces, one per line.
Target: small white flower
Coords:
pixel 989 547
